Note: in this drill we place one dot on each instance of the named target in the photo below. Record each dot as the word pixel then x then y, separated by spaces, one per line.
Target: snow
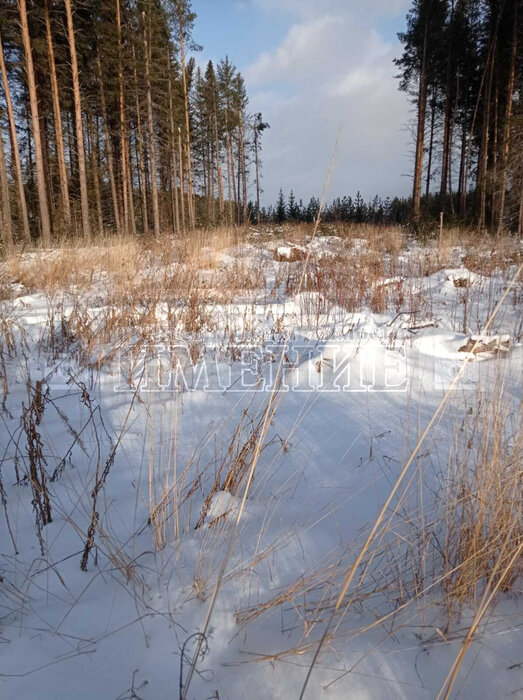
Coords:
pixel 358 387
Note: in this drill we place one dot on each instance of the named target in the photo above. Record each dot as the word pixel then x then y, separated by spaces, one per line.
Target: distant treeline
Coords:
pixel 342 209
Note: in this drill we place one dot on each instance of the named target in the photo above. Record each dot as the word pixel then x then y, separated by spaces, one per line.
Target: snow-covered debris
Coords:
pixel 486 345
pixel 290 253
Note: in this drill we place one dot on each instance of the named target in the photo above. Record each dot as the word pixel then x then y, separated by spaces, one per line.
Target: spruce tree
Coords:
pixel 281 208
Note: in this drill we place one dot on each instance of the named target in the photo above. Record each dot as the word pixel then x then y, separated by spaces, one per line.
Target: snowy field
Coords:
pixel 223 437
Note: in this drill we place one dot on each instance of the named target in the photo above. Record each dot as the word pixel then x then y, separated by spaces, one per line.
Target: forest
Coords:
pixel 108 125
pixel 462 68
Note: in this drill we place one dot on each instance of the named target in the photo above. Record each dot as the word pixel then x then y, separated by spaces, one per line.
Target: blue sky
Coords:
pixel 239 29
pixel 315 69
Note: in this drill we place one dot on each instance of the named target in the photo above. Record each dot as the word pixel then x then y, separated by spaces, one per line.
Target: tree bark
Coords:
pixel 143 178
pixel 188 168
pixel 481 179
pixel 494 151
pixel 445 153
pixel 57 114
pixel 174 174
pixel 15 152
pixel 506 130
pixel 150 122
pixel 231 182
pixel 420 132
pixel 93 158
pixel 45 222
pixel 129 222
pixel 449 109
pixel 257 166
pixel 239 179
pixel 82 174
pixel 520 221
pixel 431 143
pixel 462 191
pixel 5 201
pixel 182 185
pixel 109 150
pixel 218 164
pixel 243 170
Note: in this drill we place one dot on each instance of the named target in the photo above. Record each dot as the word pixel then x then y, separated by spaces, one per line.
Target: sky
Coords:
pixel 321 72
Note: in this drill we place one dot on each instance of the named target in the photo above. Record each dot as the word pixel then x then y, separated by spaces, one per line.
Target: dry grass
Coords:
pixel 482 497
pixel 129 294
pixel 427 561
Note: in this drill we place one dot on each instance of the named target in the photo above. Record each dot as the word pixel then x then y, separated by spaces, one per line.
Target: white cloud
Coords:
pixel 297 54
pixel 302 8
pixel 331 69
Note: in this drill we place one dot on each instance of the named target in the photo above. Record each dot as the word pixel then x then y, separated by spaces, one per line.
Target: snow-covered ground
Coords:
pixel 132 425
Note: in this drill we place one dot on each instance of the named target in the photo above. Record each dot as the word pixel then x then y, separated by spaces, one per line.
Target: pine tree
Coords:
pixel 226 73
pixel 104 115
pixel 86 226
pixel 467 62
pixel 15 151
pixel 258 127
pixel 57 117
pixel 5 200
pixel 419 65
pixel 292 208
pixel 45 222
pixel 281 208
pixel 313 209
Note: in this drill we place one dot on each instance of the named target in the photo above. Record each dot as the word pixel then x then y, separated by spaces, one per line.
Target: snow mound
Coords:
pixel 441 344
pixel 461 278
pixel 326 246
pixel 290 253
pixel 225 506
pixel 457 346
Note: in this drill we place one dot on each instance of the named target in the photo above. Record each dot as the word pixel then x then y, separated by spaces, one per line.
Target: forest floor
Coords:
pixel 227 435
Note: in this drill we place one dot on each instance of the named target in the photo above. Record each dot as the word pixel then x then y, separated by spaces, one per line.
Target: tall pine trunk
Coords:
pixel 239 209
pixel 420 131
pixel 5 201
pixel 494 153
pixel 482 169
pixel 141 168
pixel 257 168
pixel 182 185
pixel 174 168
pixel 231 187
pixel 188 168
pixel 150 122
pixel 82 171
pixel 431 143
pixel 505 146
pixel 449 110
pixel 15 152
pixel 481 185
pixel 108 150
pixel 95 177
pixel 218 164
pixel 45 222
pixel 129 221
pixel 57 116
pixel 243 170
pixel 462 186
